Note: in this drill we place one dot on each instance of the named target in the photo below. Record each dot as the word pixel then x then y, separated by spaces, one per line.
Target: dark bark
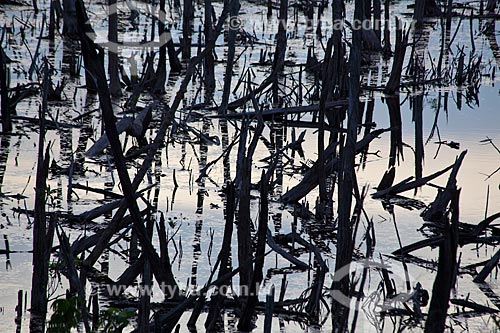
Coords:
pixel 488 268
pixel 423 9
pixel 248 311
pixel 392 85
pixel 387 32
pixel 95 66
pixel 445 277
pixel 70 24
pixel 76 283
pixel 377 19
pixel 113 65
pixel 187 15
pixel 419 11
pixel 161 70
pixel 52 20
pixel 243 177
pixel 281 40
pixel 338 64
pixel 346 179
pixel 209 58
pixel 42 234
pixel 325 92
pixel 4 87
pixel 491 5
pixel 234 8
pixel 100 242
pixel 310 179
pixel 214 314
pixel 175 64
pixel 145 298
pixel 407 185
pixel 394 109
pixel 438 208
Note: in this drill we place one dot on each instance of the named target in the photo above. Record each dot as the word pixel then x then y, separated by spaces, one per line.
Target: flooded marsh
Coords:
pixel 247 165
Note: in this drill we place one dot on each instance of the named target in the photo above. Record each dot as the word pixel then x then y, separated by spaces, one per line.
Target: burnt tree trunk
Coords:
pixel 248 311
pixel 214 313
pixel 387 32
pixel 113 65
pixel 234 8
pixel 42 235
pixel 244 233
pixel 392 85
pixel 445 277
pixel 161 70
pixel 491 6
pixel 52 20
pixel 175 64
pixel 396 150
pixel 94 64
pixel 346 179
pixel 70 27
pixel 4 87
pixel 209 58
pixel 186 29
pixel 281 40
pixel 279 55
pixel 423 9
pixel 419 12
pixel 377 19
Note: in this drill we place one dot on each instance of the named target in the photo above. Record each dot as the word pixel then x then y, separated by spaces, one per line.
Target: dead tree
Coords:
pixel 234 8
pixel 100 241
pixel 281 40
pixel 113 65
pixel 187 15
pixel 325 91
pixel 392 85
pixel 243 179
pixel 280 53
pixel 4 91
pixel 338 84
pixel 310 179
pixel 214 313
pixel 175 64
pixel 418 12
pixel 42 233
pixel 396 151
pixel 423 9
pixel 445 277
pixel 346 179
pixel 94 64
pixel 371 41
pixel 70 27
pixel 437 209
pixel 161 70
pixel 246 317
pixel 209 59
pixel 491 6
pixel 387 33
pixel 52 20
pixel 377 19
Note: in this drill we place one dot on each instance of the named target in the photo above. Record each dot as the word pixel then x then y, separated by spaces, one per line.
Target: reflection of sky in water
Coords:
pixel 467 126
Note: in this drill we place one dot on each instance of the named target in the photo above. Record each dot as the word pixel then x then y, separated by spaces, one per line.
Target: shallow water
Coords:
pixel 197 209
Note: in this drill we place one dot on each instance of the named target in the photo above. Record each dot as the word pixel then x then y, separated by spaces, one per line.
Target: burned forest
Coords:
pixel 249 165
